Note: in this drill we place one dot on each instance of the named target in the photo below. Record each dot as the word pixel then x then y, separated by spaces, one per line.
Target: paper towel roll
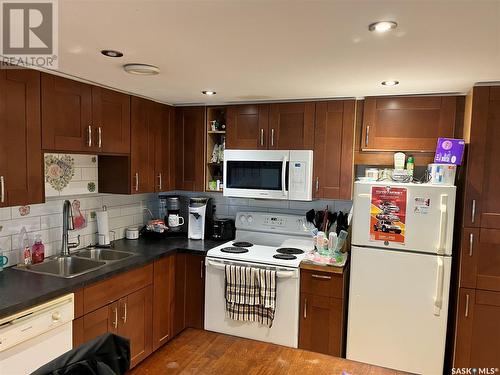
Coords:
pixel 103 228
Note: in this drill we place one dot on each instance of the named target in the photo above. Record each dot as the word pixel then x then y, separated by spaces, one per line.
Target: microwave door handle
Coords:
pixel 283 176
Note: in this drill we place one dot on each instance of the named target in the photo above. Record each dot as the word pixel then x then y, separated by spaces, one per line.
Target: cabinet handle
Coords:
pixel 272 137
pixel 2 189
pixel 262 137
pixel 467 298
pixel 471 243
pixel 201 270
pixel 473 211
pixel 317 184
pixel 99 140
pixel 322 277
pixel 115 322
pixel 124 317
pixel 137 181
pixel 367 135
pixel 305 308
pixel 89 133
pixel 159 178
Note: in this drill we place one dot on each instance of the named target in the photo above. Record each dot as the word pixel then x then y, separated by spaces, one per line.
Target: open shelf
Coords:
pixel 216 116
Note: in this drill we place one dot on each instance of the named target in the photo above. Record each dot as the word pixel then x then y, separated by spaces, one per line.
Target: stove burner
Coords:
pixel 243 244
pixel 289 250
pixel 284 256
pixel 234 250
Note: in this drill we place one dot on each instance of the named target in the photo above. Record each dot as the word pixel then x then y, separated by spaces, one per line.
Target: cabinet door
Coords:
pixel 111 120
pixel 164 149
pixel 100 321
pixel 21 169
pixel 163 300
pixel 195 291
pixel 478 329
pixel 136 317
pixel 480 259
pixel 142 145
pixel 407 123
pixel 291 126
pixel 320 324
pixel 482 205
pixel 333 149
pixel 179 318
pixel 247 127
pixel 190 143
pixel 66 115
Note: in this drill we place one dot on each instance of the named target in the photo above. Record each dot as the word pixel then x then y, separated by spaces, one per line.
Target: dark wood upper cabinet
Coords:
pixel 145 116
pixel 482 203
pixel 478 329
pixel 291 126
pixel 164 150
pixel 66 115
pixel 333 149
pixel 247 127
pixel 111 120
pixel 189 154
pixel 21 168
pixel 407 123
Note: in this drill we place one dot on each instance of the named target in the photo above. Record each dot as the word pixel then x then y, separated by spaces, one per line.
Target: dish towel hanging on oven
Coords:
pixel 250 294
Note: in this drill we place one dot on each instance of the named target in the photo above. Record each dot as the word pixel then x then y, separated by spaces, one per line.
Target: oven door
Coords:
pixel 256 174
pixel 285 328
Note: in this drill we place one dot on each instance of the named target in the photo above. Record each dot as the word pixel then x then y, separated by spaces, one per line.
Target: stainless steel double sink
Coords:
pixel 78 263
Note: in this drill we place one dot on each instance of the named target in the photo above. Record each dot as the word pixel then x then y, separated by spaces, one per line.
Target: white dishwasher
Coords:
pixel 33 337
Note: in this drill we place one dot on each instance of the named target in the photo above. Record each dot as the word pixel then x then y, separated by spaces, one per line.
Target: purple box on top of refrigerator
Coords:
pixel 449 151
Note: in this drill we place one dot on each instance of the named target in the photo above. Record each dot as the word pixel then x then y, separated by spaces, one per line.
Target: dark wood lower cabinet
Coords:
pixel 478 329
pixel 163 300
pixel 323 296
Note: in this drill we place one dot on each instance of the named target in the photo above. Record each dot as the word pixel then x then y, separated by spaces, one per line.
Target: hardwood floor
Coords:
pixel 202 352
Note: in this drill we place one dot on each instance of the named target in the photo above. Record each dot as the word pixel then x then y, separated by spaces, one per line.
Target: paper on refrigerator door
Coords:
pixel 388 214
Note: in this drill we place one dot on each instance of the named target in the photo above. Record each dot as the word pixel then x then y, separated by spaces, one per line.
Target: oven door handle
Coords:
pixel 283 176
pixel 279 274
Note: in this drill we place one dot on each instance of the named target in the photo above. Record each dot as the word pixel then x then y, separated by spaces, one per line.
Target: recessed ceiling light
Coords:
pixel 208 92
pixel 111 53
pixel 382 26
pixel 390 83
pixel 141 69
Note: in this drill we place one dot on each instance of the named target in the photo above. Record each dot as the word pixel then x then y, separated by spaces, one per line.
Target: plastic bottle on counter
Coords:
pixel 38 250
pixel 410 165
pixel 24 248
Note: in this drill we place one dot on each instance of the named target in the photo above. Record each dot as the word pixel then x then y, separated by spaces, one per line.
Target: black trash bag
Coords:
pixel 108 354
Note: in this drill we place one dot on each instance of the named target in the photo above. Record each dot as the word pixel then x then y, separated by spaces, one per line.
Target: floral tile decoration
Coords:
pixel 67 174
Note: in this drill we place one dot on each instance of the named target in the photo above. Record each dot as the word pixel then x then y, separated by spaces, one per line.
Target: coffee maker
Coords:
pixel 200 218
pixel 173 217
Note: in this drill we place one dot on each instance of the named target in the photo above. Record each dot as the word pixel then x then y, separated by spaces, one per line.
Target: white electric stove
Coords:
pixel 263 240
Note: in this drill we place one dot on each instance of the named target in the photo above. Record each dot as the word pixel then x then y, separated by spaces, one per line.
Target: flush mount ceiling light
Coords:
pixel 208 92
pixel 111 53
pixel 382 26
pixel 390 83
pixel 141 69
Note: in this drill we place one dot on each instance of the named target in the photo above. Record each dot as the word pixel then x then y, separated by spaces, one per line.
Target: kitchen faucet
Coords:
pixel 67 225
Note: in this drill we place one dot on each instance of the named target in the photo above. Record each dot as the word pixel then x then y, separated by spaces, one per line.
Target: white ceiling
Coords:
pixel 271 50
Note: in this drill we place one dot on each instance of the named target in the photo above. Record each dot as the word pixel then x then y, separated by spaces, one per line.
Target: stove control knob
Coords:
pixel 243 219
pixel 250 219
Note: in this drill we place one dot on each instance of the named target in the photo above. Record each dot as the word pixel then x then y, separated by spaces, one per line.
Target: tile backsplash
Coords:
pixel 46 219
pixel 228 207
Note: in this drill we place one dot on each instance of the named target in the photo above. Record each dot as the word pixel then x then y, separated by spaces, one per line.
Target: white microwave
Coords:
pixel 268 174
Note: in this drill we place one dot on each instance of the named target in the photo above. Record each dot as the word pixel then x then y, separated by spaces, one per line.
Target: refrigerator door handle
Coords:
pixel 443 224
pixel 438 299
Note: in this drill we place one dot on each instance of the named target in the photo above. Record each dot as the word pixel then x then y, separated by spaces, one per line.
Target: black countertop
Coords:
pixel 20 289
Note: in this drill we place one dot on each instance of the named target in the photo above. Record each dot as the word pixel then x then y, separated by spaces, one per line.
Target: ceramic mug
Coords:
pixel 3 261
pixel 175 220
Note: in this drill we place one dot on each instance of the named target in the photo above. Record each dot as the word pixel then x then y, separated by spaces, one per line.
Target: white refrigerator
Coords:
pixel 400 275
